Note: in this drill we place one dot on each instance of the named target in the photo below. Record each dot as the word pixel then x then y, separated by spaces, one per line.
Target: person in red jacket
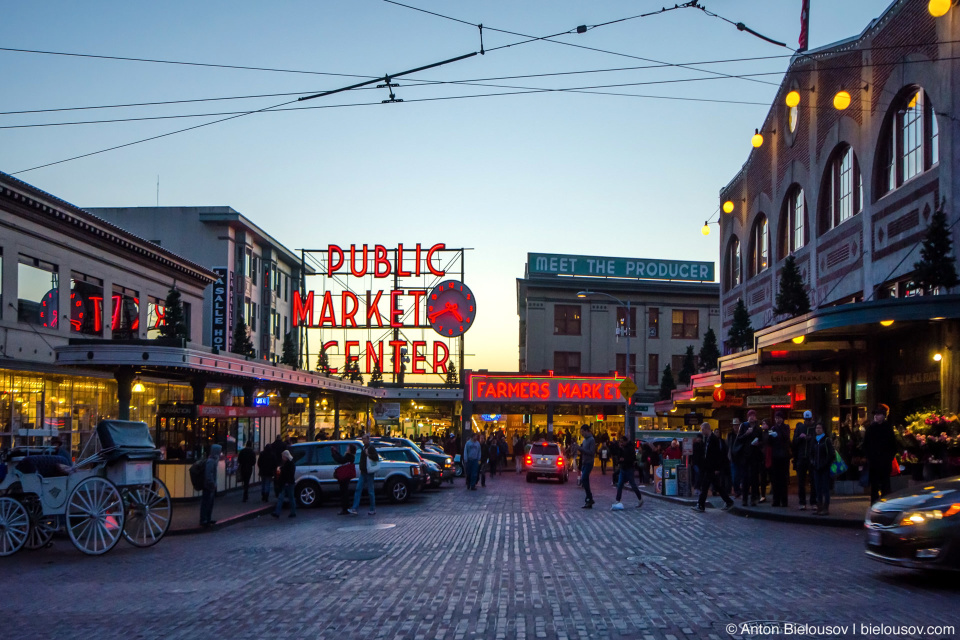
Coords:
pixel 673 452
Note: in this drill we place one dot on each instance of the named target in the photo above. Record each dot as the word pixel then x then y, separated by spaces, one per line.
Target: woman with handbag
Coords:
pixel 821 454
pixel 369 465
pixel 286 477
pixel 346 472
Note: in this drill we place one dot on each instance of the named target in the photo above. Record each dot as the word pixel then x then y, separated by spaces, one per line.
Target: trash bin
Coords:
pixel 670 477
pixel 683 481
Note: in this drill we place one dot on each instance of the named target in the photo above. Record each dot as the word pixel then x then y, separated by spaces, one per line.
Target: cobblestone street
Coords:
pixel 513 560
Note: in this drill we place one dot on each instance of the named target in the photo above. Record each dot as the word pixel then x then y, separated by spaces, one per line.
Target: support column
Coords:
pixel 950 367
pixel 466 421
pixel 550 419
pixel 248 390
pixel 198 385
pixel 336 415
pixel 312 416
pixel 124 377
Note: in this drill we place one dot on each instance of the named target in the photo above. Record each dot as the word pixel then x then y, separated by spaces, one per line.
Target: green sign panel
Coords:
pixel 556 264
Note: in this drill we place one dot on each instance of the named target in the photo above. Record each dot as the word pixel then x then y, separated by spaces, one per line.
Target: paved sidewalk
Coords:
pixel 228 509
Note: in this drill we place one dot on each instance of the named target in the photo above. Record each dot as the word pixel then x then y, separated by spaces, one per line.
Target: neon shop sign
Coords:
pixel 86 312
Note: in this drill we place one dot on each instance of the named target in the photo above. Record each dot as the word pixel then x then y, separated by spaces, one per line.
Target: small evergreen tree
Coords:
pixel 352 371
pixel 452 378
pixel 667 384
pixel 740 335
pixel 937 267
pixel 376 376
pixel 242 344
pixel 792 299
pixel 174 320
pixel 323 362
pixel 290 356
pixel 689 366
pixel 709 352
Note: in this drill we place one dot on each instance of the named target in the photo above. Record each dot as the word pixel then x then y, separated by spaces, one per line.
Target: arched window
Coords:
pixel 911 141
pixel 734 275
pixel 842 192
pixel 759 246
pixel 793 222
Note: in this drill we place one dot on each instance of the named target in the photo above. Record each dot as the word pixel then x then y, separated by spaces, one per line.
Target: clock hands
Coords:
pixel 449 307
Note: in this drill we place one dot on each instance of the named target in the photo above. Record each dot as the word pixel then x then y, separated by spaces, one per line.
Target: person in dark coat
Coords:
pixel 803 435
pixel 879 448
pixel 209 487
pixel 346 472
pixel 713 462
pixel 748 443
pixel 821 455
pixel 267 467
pixel 628 461
pixel 778 439
pixel 697 461
pixel 287 478
pixel 246 460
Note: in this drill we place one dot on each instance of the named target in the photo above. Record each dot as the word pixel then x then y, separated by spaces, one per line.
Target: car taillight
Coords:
pixel 528 460
pixel 559 461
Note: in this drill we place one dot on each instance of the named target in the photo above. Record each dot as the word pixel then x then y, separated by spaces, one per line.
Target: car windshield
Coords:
pixel 543 449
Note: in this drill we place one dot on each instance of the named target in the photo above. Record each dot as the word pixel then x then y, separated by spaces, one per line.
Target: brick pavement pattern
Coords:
pixel 513 560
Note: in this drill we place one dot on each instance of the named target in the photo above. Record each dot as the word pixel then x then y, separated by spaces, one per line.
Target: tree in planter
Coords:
pixel 709 352
pixel 376 376
pixel 174 320
pixel 452 378
pixel 689 366
pixel 667 384
pixel 242 344
pixel 740 335
pixel 290 356
pixel 323 363
pixel 352 371
pixel 792 299
pixel 937 267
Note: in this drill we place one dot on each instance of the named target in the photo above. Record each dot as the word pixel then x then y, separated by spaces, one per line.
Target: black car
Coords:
pixel 917 528
pixel 442 460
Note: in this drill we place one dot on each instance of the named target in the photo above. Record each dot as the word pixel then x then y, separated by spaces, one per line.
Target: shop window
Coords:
pixel 759 246
pixel 733 276
pixel 125 320
pixel 276 324
pixel 622 365
pixel 627 326
pixel 793 222
pixel 686 323
pixel 676 364
pixel 653 322
pixel 911 140
pixel 156 316
pixel 653 369
pixel 842 189
pixel 86 304
pixel 566 362
pixel 38 287
pixel 566 320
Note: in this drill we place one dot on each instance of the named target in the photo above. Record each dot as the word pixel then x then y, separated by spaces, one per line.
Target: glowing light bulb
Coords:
pixel 728 206
pixel 705 229
pixel 841 101
pixel 793 99
pixel 799 339
pixel 757 139
pixel 938 8
pixel 937 357
pixel 886 323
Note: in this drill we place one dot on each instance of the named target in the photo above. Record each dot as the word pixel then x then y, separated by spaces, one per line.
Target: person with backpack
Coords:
pixel 369 465
pixel 346 472
pixel 287 478
pixel 209 487
pixel 267 467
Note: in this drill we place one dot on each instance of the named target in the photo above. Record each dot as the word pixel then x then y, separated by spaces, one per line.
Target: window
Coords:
pixel 676 365
pixel 156 312
pixel 627 326
pixel 248 263
pixel 759 246
pixel 842 189
pixel 653 369
pixel 276 324
pixel 653 322
pixel 566 320
pixel 566 362
pixel 793 222
pixel 277 280
pixel 686 323
pixel 86 304
pixel 622 364
pixel 125 318
pixel 248 311
pixel 733 274
pixel 912 142
pixel 38 287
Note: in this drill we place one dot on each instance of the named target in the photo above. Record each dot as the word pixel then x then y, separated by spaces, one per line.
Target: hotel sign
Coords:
pixel 219 327
pixel 519 389
pixel 795 377
pixel 641 268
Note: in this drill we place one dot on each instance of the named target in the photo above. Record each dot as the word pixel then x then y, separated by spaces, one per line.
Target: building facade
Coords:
pixel 256 274
pixel 855 158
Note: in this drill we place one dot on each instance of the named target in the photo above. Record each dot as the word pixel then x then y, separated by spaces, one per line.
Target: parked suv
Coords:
pixel 544 460
pixel 429 472
pixel 315 467
pixel 441 459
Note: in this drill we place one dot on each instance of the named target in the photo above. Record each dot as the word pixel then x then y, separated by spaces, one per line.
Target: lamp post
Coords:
pixel 627 422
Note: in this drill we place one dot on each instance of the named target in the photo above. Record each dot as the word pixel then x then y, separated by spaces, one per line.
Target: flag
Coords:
pixel 804 25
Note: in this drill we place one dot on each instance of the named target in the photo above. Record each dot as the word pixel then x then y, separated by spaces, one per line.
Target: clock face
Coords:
pixel 451 308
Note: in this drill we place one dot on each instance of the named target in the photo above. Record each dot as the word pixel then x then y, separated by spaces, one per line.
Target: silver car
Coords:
pixel 544 460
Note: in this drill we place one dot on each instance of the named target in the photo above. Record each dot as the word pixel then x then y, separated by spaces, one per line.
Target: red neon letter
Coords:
pixel 115 316
pixel 347 348
pixel 417 296
pixel 395 320
pixel 400 272
pixel 396 345
pixel 334 259
pixel 326 347
pixel 434 249
pixel 346 315
pixel 440 364
pixel 97 313
pixel 353 261
pixel 563 391
pixel 377 355
pixel 419 357
pixel 545 391
pixel 374 308
pixel 302 311
pixel 326 311
pixel 534 391
pixel 480 385
pixel 380 259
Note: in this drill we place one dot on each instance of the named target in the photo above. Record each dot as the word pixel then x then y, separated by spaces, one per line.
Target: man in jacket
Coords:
pixel 713 462
pixel 879 448
pixel 267 467
pixel 209 487
pixel 587 449
pixel 748 444
pixel 802 437
pixel 472 452
pixel 628 461
pixel 736 459
pixel 288 477
pixel 246 460
pixel 365 478
pixel 778 439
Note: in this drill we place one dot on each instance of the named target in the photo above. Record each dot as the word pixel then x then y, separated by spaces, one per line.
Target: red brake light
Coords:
pixel 559 461
pixel 528 459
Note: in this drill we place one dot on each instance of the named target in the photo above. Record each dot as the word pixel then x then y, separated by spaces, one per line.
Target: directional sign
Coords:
pixel 627 388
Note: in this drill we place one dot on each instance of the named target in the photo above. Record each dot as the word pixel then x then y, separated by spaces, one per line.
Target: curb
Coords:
pixel 844 523
pixel 221 524
pixel 688 502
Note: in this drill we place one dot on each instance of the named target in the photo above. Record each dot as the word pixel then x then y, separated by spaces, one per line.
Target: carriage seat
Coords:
pixel 46 466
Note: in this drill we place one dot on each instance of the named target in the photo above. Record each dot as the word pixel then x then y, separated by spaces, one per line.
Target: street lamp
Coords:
pixel 626 407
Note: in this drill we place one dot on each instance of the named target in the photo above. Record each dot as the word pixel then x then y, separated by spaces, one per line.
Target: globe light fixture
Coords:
pixel 841 101
pixel 757 139
pixel 886 323
pixel 705 229
pixel 939 8
pixel 728 206
pixel 799 339
pixel 138 386
pixel 937 357
pixel 793 99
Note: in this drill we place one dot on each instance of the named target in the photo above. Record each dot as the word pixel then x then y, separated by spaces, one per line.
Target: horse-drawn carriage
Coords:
pixel 107 495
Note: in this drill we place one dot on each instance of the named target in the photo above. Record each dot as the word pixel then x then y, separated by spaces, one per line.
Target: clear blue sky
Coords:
pixel 548 172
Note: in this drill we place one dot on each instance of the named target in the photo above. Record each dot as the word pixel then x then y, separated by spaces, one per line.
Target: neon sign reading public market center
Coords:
pixel 449 307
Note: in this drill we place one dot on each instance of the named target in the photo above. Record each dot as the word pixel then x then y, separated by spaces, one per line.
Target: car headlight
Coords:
pixel 910 518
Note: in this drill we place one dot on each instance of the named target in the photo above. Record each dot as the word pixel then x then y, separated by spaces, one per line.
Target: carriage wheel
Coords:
pixel 41 530
pixel 14 526
pixel 149 513
pixel 95 515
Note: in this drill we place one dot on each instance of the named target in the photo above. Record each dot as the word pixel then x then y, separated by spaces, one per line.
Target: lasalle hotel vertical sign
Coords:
pixel 220 324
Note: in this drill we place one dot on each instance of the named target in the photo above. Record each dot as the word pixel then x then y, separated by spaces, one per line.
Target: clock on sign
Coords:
pixel 451 308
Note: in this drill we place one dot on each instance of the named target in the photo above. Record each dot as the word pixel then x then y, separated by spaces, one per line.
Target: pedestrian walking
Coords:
pixel 366 476
pixel 484 455
pixel 748 443
pixel 712 463
pixel 287 478
pixel 736 459
pixel 267 468
pixel 821 455
pixel 779 442
pixel 246 461
pixel 604 454
pixel 879 448
pixel 346 472
pixel 493 455
pixel 588 449
pixel 614 453
pixel 518 453
pixel 471 458
pixel 803 435
pixel 628 461
pixel 209 487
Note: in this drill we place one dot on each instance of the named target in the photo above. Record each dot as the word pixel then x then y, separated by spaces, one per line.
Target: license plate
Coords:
pixel 873 538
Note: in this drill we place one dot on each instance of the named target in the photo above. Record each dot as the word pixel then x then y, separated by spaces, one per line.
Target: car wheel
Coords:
pixel 458 470
pixel 530 477
pixel 308 494
pixel 397 491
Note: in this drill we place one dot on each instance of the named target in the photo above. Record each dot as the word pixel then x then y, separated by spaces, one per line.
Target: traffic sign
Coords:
pixel 627 388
